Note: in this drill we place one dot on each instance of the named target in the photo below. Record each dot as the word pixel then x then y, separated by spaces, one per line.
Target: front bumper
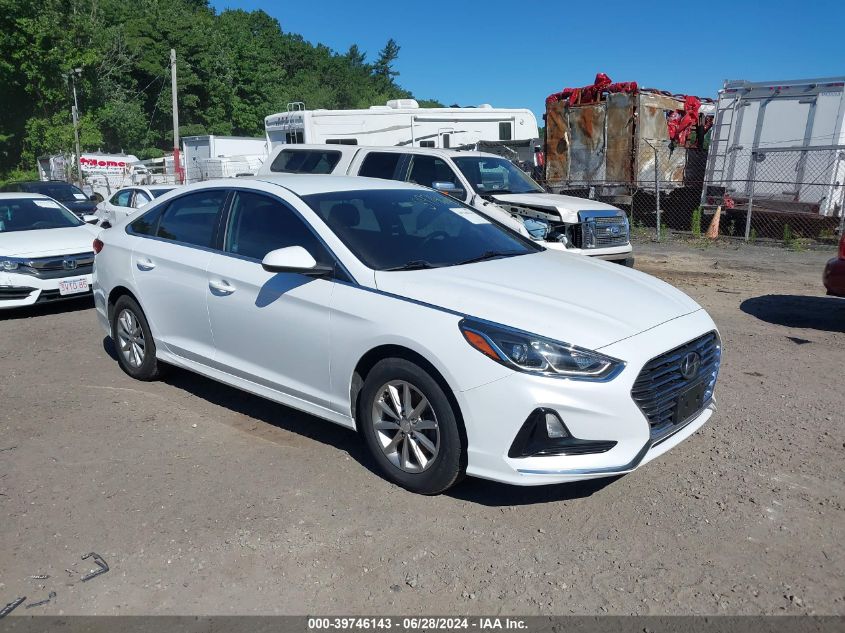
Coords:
pixel 25 290
pixel 494 413
pixel 615 253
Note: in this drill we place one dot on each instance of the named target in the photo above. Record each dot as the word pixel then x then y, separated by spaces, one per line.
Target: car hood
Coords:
pixel 47 242
pixel 555 201
pixel 567 297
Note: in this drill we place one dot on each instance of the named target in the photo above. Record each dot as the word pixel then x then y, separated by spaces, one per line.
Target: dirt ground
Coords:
pixel 205 500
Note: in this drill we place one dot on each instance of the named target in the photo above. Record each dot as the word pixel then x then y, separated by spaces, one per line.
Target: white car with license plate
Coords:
pixel 126 201
pixel 45 251
pixel 453 344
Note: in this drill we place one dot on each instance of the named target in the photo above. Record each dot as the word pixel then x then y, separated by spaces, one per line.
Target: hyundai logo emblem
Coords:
pixel 69 264
pixel 690 364
pixel 614 230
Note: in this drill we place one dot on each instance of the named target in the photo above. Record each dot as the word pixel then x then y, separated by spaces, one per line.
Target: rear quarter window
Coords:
pixel 300 161
pixel 382 165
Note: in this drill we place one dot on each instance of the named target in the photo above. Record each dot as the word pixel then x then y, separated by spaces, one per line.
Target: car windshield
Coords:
pixel 62 191
pixel 159 192
pixel 488 175
pixel 405 229
pixel 32 214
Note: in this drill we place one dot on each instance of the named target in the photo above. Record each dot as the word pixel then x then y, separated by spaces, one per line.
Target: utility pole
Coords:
pixel 74 112
pixel 176 163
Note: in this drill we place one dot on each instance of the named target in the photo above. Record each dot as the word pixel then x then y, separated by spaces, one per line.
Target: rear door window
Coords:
pixel 426 170
pixel 121 198
pixel 301 161
pixel 192 218
pixel 382 165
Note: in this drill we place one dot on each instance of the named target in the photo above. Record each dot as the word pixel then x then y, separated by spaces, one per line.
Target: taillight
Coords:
pixel 98 246
pixel 842 246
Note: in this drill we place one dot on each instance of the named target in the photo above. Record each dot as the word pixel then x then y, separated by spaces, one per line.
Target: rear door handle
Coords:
pixel 145 264
pixel 221 286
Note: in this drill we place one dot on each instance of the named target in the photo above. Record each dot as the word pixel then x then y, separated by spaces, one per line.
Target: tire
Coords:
pixel 133 341
pixel 418 444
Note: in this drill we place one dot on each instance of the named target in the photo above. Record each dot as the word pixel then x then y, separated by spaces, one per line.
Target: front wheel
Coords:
pixel 410 428
pixel 133 341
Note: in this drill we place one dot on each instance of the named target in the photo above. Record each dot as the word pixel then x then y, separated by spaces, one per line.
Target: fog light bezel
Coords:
pixel 532 439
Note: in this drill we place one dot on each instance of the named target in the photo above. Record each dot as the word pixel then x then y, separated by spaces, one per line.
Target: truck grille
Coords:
pixel 661 384
pixel 605 232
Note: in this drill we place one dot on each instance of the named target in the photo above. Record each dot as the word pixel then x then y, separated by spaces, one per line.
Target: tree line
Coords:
pixel 234 68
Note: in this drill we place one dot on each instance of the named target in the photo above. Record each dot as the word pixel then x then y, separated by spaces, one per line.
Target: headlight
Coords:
pixel 9 264
pixel 538 355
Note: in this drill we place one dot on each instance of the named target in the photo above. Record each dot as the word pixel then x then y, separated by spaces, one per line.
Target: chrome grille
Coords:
pixel 660 383
pixel 57 266
pixel 605 232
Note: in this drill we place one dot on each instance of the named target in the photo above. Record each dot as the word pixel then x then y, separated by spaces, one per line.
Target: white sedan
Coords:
pixel 45 251
pixel 124 202
pixel 454 345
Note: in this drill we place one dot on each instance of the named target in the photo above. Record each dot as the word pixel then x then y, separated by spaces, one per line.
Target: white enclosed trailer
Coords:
pixel 206 157
pixel 780 141
pixel 400 122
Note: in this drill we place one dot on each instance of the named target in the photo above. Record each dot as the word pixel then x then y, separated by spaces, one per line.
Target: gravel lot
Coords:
pixel 206 500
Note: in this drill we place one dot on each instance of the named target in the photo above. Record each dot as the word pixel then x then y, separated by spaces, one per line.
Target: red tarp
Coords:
pixel 591 94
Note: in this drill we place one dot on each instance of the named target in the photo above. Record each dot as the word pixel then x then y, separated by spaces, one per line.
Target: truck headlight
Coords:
pixel 9 264
pixel 534 354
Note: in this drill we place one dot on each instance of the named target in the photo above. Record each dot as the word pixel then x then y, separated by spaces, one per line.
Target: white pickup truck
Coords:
pixel 489 183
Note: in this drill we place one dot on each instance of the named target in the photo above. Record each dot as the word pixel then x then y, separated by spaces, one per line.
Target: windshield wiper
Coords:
pixel 416 264
pixel 489 255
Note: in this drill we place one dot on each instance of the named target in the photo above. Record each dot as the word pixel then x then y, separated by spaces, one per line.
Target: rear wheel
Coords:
pixel 410 427
pixel 133 341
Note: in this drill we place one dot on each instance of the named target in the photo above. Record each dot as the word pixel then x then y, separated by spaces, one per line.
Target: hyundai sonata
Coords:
pixel 452 344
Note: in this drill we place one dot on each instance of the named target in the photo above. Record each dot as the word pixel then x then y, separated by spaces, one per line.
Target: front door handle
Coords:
pixel 145 264
pixel 221 286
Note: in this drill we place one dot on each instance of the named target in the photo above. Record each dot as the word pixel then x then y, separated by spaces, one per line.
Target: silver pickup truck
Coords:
pixel 489 183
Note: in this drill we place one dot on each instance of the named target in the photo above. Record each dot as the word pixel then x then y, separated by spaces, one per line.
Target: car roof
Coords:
pixel 348 149
pixel 40 182
pixel 307 184
pixel 17 195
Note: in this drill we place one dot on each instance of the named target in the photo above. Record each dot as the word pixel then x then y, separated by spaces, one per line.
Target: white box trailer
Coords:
pixel 203 156
pixel 781 142
pixel 400 122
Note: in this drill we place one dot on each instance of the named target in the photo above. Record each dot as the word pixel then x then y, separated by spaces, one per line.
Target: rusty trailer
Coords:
pixel 607 146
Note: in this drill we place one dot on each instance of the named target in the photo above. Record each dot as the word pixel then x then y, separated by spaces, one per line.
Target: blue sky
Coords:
pixel 513 54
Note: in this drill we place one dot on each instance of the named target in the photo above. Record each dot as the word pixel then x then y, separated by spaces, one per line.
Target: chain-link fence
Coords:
pixel 783 194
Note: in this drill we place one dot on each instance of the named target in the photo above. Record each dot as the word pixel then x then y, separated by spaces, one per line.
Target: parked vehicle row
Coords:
pixel 71 196
pixel 453 344
pixel 124 202
pixel 487 182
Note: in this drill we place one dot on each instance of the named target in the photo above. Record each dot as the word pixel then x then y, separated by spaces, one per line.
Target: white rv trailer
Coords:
pixel 780 141
pixel 400 122
pixel 211 156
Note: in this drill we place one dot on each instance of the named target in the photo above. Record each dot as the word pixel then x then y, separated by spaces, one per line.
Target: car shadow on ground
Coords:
pixel 494 494
pixel 46 309
pixel 811 312
pixel 266 411
pixel 480 491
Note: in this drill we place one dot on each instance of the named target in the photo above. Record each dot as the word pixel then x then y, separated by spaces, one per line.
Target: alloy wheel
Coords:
pixel 406 426
pixel 130 338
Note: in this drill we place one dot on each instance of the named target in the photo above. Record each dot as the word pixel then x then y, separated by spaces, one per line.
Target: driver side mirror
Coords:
pixel 90 219
pixel 294 259
pixel 95 198
pixel 449 189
